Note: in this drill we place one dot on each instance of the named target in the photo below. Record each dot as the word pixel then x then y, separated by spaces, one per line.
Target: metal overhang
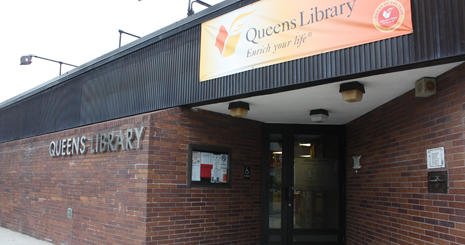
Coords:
pixel 163 33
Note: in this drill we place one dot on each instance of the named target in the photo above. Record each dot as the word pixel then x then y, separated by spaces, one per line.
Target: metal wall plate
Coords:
pixel 435 158
pixel 438 182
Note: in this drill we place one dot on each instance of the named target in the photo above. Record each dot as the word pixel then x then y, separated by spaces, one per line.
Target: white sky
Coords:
pixel 74 32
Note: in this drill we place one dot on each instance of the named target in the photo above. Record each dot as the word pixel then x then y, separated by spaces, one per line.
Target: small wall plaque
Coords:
pixel 435 158
pixel 438 182
pixel 247 172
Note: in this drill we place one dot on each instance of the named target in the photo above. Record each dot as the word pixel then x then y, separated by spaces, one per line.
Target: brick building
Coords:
pixel 136 147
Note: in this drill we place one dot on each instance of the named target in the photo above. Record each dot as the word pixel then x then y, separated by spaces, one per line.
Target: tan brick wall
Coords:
pixel 388 201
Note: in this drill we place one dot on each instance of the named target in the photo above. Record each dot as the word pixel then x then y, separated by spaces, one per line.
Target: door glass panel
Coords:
pixel 302 203
pixel 315 184
pixel 275 188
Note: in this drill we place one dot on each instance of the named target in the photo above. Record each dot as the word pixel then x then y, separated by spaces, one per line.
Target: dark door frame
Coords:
pixel 287 129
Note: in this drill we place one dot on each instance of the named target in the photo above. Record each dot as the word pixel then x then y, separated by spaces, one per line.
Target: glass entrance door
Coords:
pixel 314 189
pixel 304 178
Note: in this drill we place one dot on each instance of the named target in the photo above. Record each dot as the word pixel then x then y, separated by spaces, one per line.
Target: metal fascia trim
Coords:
pixel 62 78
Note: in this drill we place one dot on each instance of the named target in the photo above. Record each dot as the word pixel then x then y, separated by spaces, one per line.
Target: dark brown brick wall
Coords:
pixel 181 215
pixel 388 201
pixel 104 190
pixel 138 196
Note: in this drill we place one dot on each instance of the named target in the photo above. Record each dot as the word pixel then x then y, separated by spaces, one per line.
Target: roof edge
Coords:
pixel 63 78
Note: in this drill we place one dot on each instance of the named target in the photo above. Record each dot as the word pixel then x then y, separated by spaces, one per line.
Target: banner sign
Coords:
pixel 273 31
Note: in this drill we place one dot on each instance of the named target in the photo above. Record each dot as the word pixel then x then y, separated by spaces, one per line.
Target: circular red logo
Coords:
pixel 388 16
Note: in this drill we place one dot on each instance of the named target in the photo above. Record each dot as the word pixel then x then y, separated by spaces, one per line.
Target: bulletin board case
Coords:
pixel 209 166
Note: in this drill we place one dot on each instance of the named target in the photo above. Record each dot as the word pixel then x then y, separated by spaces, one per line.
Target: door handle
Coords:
pixel 288 193
pixel 291 194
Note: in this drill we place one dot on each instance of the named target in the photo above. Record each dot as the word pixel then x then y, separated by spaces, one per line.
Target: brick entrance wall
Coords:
pixel 107 196
pixel 180 215
pixel 388 201
pixel 138 196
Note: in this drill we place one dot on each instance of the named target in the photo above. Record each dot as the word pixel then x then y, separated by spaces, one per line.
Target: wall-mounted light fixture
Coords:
pixel 121 32
pixel 352 92
pixel 319 115
pixel 190 10
pixel 239 108
pixel 27 60
pixel 357 165
pixel 425 87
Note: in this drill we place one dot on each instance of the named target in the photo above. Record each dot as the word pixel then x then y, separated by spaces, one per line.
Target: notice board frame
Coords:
pixel 209 149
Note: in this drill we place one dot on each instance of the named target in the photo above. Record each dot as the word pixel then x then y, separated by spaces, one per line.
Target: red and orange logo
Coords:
pixel 388 16
pixel 227 42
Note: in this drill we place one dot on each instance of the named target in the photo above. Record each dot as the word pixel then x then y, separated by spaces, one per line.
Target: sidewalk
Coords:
pixel 8 237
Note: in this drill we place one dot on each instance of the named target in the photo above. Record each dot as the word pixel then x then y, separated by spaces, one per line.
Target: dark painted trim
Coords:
pixel 287 131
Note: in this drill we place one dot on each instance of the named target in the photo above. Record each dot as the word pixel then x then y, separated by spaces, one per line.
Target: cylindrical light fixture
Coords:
pixel 352 92
pixel 238 109
pixel 319 115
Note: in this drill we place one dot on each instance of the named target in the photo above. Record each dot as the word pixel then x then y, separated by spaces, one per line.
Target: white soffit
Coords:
pixel 294 106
